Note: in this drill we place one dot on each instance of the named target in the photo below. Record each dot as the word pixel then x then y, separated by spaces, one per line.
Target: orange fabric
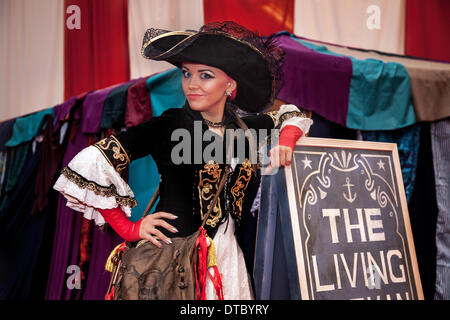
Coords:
pixel 265 16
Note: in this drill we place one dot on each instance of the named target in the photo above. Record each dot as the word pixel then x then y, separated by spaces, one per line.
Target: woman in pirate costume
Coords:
pixel 226 68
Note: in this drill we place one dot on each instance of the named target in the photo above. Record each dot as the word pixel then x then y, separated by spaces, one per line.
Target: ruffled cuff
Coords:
pixel 290 114
pixel 90 182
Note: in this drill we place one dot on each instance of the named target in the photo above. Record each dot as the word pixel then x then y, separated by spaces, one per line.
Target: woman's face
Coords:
pixel 205 86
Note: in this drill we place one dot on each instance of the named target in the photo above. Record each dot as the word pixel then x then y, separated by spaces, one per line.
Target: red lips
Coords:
pixel 194 96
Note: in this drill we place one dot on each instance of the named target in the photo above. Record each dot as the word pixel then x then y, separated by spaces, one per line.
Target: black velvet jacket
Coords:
pixel 187 188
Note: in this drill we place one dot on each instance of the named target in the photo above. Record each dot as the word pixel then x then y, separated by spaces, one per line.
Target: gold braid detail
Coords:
pixel 207 187
pixel 290 114
pixel 273 115
pixel 110 191
pixel 238 190
pixel 114 153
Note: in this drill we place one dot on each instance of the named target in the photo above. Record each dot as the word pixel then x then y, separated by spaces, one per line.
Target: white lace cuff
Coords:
pixel 89 182
pixel 290 114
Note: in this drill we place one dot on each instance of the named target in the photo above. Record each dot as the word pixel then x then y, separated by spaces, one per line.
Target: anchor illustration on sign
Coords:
pixel 349 198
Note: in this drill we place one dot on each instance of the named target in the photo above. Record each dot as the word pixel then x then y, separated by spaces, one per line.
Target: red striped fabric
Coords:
pixel 96 53
pixel 264 16
pixel 426 29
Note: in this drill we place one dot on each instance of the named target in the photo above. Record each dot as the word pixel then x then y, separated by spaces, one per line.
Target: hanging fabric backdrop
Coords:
pixel 72 74
pixel 53 49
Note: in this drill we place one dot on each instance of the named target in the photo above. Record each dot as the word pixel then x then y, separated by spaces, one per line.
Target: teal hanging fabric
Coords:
pixel 408 141
pixel 380 93
pixel 28 127
pixel 165 93
pixel 380 96
pixel 24 130
pixel 143 179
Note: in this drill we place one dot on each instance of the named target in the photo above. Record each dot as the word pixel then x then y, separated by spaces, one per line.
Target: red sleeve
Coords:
pixel 125 228
pixel 289 136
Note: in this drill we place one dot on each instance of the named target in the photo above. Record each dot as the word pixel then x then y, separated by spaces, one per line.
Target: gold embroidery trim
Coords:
pixel 111 143
pixel 273 115
pixel 245 174
pixel 207 187
pixel 168 34
pixel 290 114
pixel 110 191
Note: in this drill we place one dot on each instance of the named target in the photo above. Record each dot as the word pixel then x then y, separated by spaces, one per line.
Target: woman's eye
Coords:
pixel 186 74
pixel 206 76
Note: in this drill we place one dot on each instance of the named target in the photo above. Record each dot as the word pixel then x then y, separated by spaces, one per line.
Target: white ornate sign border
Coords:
pixel 346 161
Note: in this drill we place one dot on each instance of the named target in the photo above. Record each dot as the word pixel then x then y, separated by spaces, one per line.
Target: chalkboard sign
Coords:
pixel 349 222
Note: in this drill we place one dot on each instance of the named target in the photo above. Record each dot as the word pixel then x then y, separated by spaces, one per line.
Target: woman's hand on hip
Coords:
pixel 148 229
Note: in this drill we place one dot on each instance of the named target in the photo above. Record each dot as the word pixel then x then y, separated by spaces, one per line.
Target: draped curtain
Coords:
pixel 96 45
pixel 264 16
pixel 31 56
pixel 366 24
pixel 52 50
pixel 163 14
pixel 427 26
pixel 44 59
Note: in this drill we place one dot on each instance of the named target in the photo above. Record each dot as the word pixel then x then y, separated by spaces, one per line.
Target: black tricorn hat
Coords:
pixel 252 61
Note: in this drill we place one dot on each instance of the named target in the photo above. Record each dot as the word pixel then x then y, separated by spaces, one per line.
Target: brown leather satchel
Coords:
pixel 147 272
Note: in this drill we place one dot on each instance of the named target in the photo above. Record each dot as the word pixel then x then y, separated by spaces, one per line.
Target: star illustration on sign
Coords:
pixel 381 165
pixel 306 163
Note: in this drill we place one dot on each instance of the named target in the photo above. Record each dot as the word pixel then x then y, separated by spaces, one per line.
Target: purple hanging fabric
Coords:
pixel 115 106
pixel 67 230
pixel 97 279
pixel 62 112
pixel 92 110
pixel 51 155
pixel 315 81
pixel 66 250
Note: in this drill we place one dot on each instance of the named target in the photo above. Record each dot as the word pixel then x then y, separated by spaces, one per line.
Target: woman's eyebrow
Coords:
pixel 203 70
